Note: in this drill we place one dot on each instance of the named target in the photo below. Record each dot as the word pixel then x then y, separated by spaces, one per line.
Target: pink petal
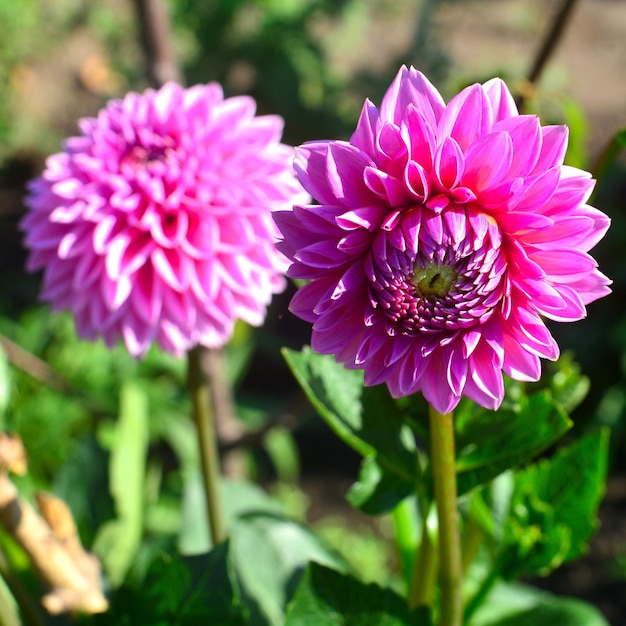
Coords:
pixel 364 137
pixel 467 117
pixel 411 87
pixel 502 103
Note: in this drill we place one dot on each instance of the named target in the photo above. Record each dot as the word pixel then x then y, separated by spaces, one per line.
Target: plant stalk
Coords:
pixel 445 489
pixel 203 415
pixel 422 590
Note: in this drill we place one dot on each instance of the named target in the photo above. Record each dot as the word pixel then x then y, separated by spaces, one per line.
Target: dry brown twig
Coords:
pixel 50 539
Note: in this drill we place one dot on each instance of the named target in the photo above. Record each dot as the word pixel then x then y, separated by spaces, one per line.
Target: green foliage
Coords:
pixel 378 491
pixel 365 418
pixel 490 442
pixel 9 613
pixel 119 540
pixel 515 604
pixel 537 518
pixel 5 383
pixel 553 507
pixel 182 592
pixel 327 597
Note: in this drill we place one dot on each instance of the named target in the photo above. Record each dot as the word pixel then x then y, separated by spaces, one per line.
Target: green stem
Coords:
pixel 422 590
pixel 480 595
pixel 405 523
pixel 442 458
pixel 207 439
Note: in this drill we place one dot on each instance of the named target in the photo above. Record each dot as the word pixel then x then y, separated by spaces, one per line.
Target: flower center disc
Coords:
pixel 434 281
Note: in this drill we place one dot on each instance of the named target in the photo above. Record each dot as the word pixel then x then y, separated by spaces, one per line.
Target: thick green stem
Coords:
pixel 422 590
pixel 444 478
pixel 203 415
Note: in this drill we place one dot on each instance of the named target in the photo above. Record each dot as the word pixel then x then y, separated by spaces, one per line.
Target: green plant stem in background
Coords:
pixel 405 525
pixel 479 597
pixel 442 458
pixel 203 415
pixel 421 592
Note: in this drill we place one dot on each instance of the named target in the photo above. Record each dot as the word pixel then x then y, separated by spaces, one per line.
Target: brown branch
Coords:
pixel 154 22
pixel 546 50
pixel 32 365
pixel 51 541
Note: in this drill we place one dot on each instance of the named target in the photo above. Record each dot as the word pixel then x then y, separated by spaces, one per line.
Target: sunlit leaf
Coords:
pixel 490 442
pixel 119 539
pixel 553 508
pixel 515 604
pixel 328 597
pixel 269 553
pixel 182 592
pixel 9 612
pixel 378 491
pixel 366 418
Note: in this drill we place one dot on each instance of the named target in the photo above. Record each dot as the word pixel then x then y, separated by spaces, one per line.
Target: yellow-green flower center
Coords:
pixel 434 281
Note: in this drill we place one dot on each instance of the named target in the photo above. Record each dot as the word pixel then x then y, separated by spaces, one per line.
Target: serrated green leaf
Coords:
pixel 182 592
pixel 490 442
pixel 328 597
pixel 366 418
pixel 377 491
pixel 119 539
pixel 572 482
pixel 553 508
pixel 516 604
pixel 269 553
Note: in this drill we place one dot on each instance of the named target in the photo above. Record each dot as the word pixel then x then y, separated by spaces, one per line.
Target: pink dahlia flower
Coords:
pixel 444 235
pixel 156 223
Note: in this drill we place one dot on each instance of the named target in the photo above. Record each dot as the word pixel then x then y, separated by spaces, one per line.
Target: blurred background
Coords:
pixel 312 62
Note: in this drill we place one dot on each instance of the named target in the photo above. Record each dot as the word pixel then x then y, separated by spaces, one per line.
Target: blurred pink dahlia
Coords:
pixel 444 235
pixel 156 223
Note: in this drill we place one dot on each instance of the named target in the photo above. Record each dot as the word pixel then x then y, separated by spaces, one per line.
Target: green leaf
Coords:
pixel 5 385
pixel 9 612
pixel 377 491
pixel 366 418
pixel 281 447
pixel 490 442
pixel 238 498
pixel 553 508
pixel 515 604
pixel 329 598
pixel 269 553
pixel 119 539
pixel 183 592
pixel 609 154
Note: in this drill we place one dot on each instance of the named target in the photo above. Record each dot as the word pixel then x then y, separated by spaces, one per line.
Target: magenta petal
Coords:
pixel 487 161
pixel 435 387
pixel 310 166
pixel 345 167
pixel 564 266
pixel 411 87
pixel 502 103
pixel 525 134
pixel 364 137
pixel 467 117
pixel 553 148
pixel 449 164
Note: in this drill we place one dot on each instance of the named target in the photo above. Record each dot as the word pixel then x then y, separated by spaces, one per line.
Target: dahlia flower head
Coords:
pixel 444 235
pixel 155 224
